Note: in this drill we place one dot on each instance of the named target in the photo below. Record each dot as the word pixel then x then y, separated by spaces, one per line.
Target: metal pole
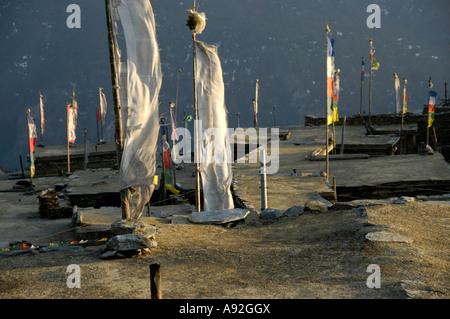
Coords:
pixel 264 203
pixel 197 150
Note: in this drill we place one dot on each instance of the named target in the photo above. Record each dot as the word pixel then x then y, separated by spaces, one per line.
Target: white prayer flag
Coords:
pixel 215 150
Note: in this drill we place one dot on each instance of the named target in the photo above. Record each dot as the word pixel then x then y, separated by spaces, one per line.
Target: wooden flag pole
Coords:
pixel 173 144
pixel 125 205
pixel 41 109
pixel 361 88
pixel 396 93
pixel 196 146
pixel 430 85
pixel 115 85
pixel 29 150
pixel 196 23
pixel 96 120
pixel 333 139
pixel 101 115
pixel 435 138
pixel 327 29
pixel 68 137
pixel 255 104
pixel 162 185
pixel 403 115
pixel 370 84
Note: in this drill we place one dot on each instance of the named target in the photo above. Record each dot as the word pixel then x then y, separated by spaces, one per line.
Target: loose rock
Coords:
pixel 133 226
pixel 271 213
pixel 127 242
pixel 383 236
pixel 294 211
pixel 361 211
pixel 404 200
pixel 317 206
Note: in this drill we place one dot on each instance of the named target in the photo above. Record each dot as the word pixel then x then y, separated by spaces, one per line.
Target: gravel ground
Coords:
pixel 311 256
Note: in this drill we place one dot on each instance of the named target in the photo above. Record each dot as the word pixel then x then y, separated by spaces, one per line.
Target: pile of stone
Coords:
pixel 130 237
pixel 274 213
pixel 49 205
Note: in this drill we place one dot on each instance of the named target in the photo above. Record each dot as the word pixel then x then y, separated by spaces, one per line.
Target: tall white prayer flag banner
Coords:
pixel 140 110
pixel 215 150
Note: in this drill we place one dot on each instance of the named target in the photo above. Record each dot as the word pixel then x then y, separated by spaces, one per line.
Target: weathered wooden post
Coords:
pixel 155 281
pixel 117 107
pixel 115 85
pixel 195 28
pixel 255 104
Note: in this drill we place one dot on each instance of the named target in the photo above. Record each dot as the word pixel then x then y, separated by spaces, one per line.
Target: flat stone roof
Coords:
pixel 286 189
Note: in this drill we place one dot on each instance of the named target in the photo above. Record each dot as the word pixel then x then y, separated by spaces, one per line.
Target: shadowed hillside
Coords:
pixel 282 43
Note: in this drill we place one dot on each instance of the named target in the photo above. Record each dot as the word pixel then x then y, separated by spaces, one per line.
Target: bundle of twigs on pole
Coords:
pixel 196 21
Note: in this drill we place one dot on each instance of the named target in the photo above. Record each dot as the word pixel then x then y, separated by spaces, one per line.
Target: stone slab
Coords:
pixel 90 232
pixel 170 210
pixel 383 236
pixel 218 217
